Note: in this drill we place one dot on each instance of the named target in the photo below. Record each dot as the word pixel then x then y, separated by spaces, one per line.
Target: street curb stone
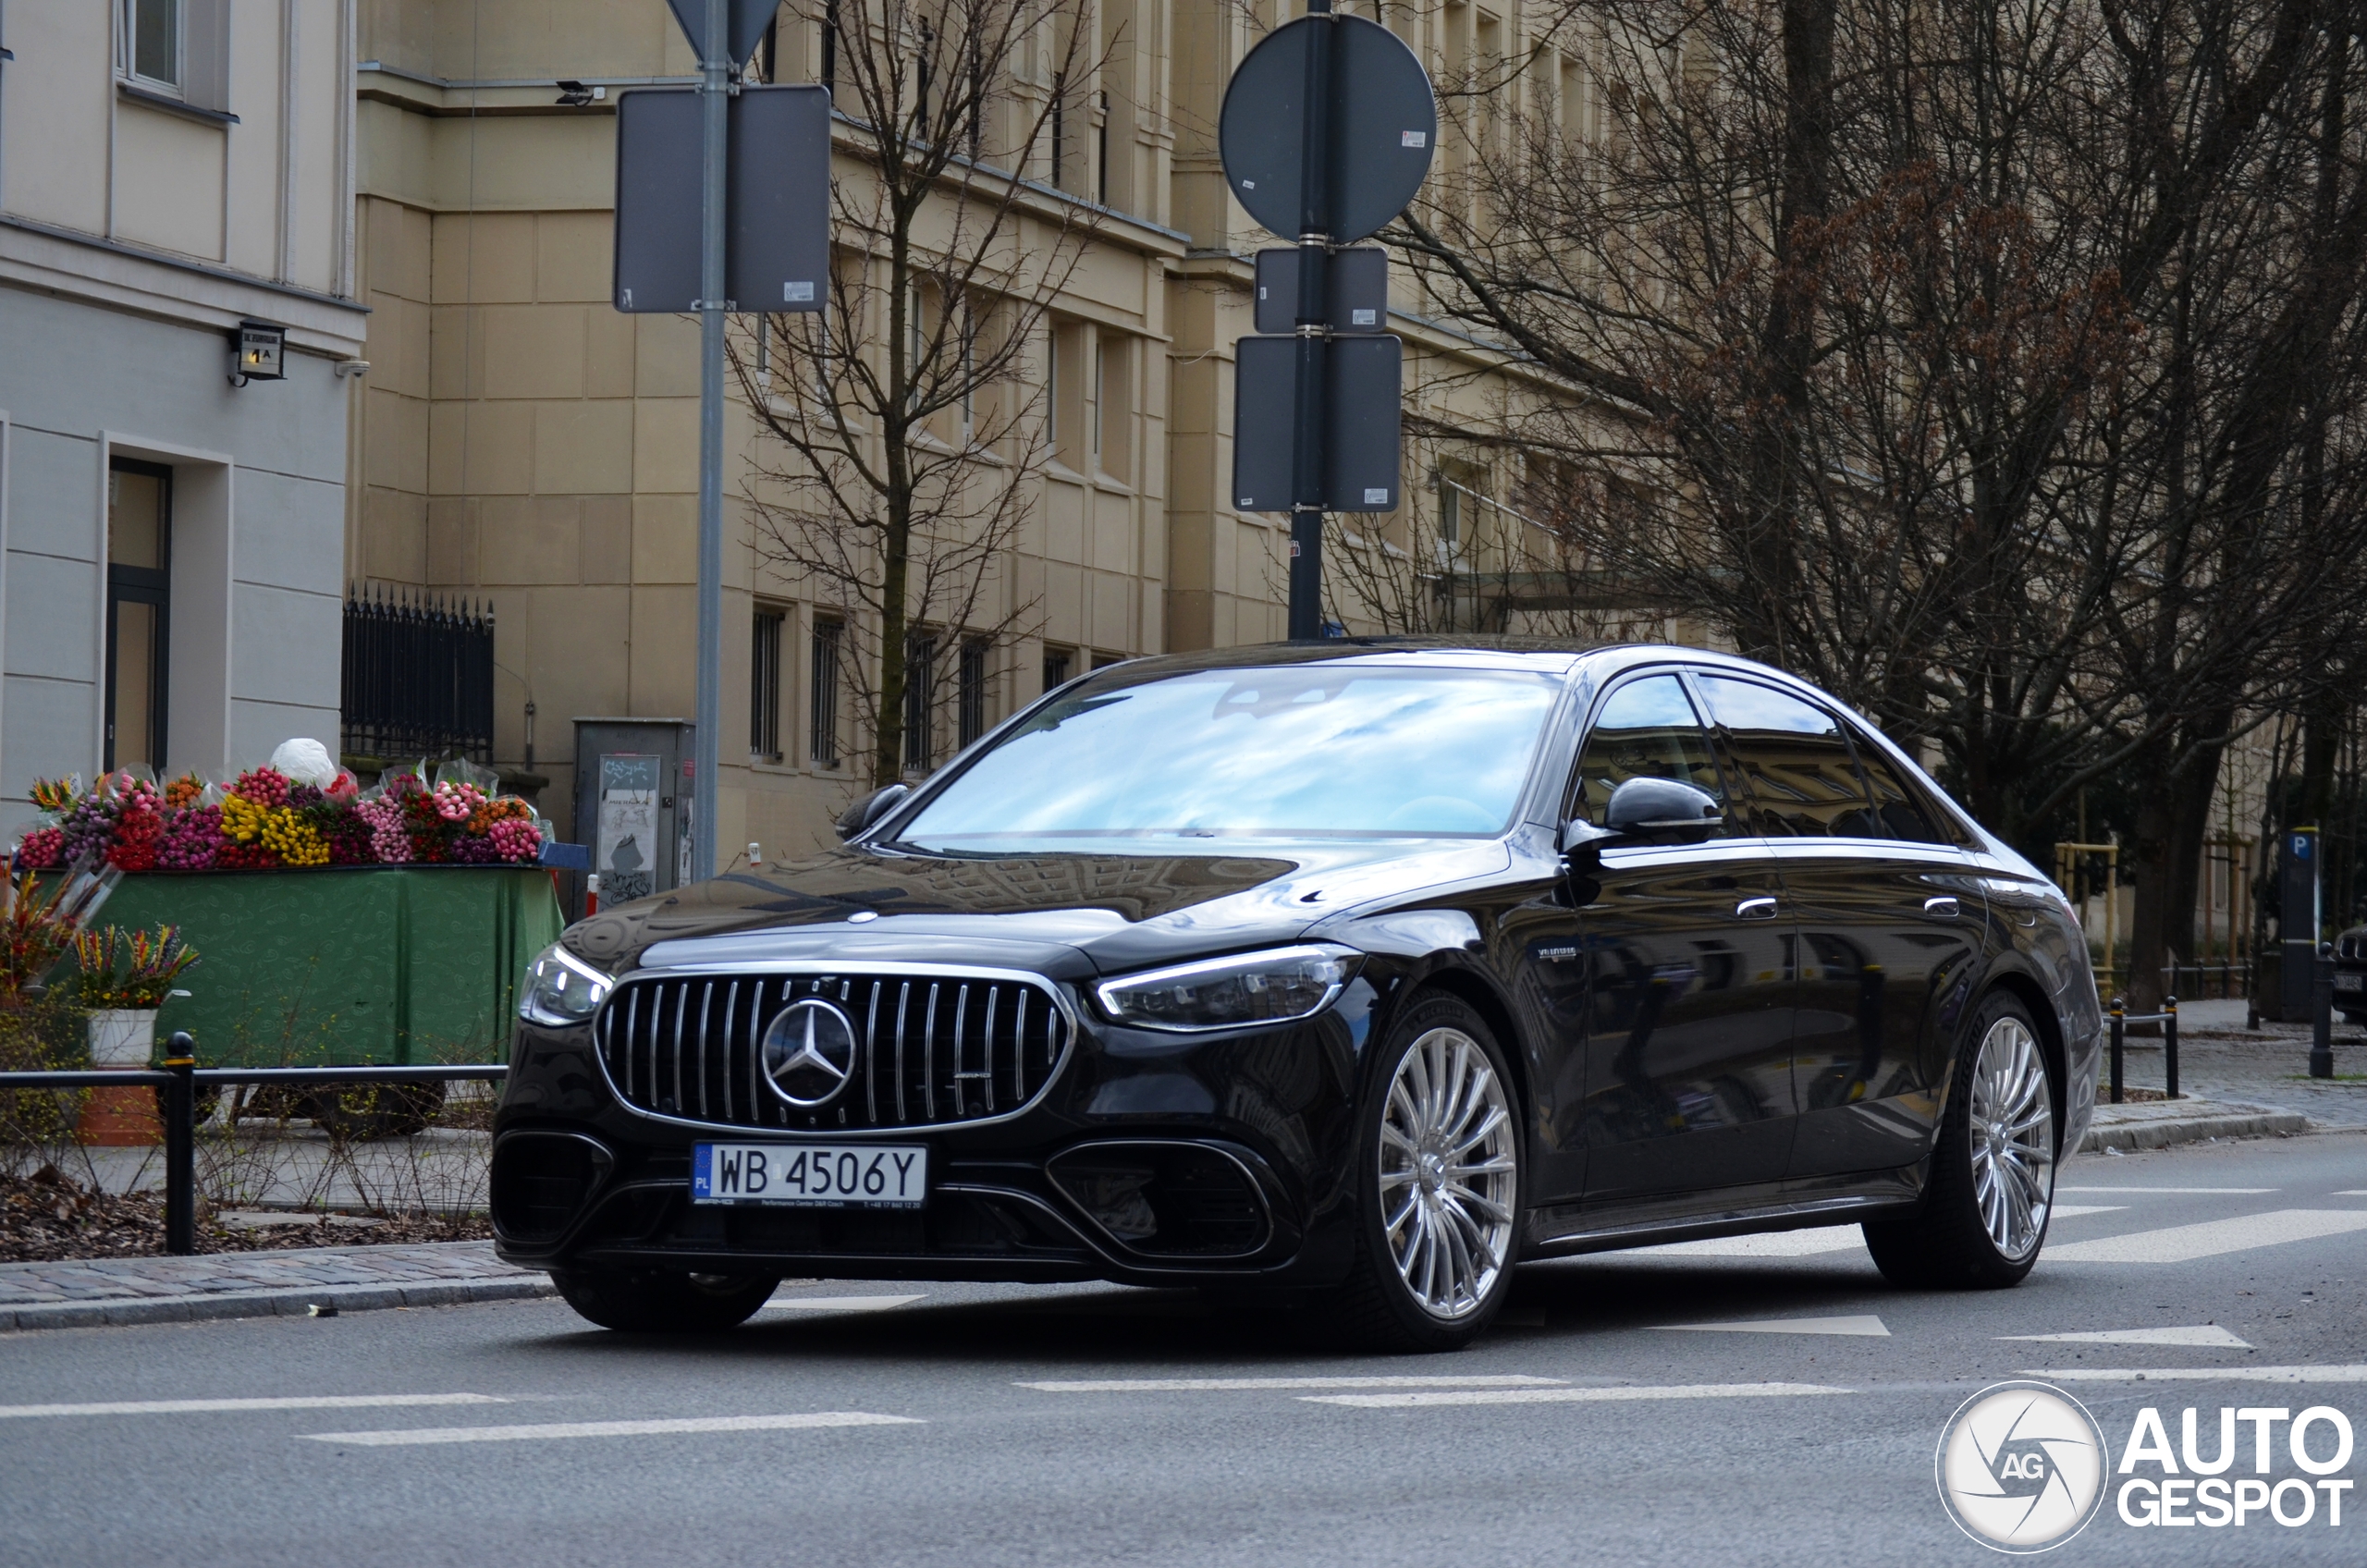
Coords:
pixel 2207 1121
pixel 271 1304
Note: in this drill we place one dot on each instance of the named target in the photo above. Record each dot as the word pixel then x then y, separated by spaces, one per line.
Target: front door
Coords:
pixel 1689 1017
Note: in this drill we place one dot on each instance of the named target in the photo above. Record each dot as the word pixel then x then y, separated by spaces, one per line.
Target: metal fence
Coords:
pixel 180 1079
pixel 418 677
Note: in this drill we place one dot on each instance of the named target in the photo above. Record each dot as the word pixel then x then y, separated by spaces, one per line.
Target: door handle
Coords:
pixel 1760 907
pixel 1942 907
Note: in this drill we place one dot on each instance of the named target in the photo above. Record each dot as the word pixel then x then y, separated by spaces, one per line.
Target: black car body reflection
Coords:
pixel 1752 1027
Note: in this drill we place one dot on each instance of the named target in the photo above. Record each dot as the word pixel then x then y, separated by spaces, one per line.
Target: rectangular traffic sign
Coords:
pixel 1364 380
pixel 776 204
pixel 1356 279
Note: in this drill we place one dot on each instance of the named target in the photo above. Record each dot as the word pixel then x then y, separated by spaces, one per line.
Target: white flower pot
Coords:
pixel 123 1037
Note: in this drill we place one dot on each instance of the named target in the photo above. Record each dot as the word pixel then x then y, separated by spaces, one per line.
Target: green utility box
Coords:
pixel 382 965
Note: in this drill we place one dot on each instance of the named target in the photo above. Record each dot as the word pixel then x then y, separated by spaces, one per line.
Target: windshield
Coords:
pixel 1317 751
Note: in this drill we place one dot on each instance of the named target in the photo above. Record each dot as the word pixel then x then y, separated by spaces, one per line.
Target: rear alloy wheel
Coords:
pixel 1441 1186
pixel 1992 1189
pixel 656 1301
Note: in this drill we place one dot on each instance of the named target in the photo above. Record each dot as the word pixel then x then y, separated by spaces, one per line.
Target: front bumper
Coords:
pixel 1151 1159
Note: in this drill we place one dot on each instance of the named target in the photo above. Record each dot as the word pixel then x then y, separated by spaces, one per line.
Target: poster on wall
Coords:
pixel 627 849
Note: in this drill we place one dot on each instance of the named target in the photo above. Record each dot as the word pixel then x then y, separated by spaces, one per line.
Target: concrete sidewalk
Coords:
pixel 93 1293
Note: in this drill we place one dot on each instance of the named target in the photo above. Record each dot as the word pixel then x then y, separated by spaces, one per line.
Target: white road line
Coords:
pixel 1269 1385
pixel 1775 1243
pixel 2204 1335
pixel 1574 1396
pixel 2353 1193
pixel 1865 1324
pixel 2184 1244
pixel 198 1406
pixel 2073 1211
pixel 612 1428
pixel 2205 1191
pixel 2244 1374
pixel 839 1304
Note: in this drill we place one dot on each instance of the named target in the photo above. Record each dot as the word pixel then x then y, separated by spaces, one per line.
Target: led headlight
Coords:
pixel 1229 993
pixel 561 990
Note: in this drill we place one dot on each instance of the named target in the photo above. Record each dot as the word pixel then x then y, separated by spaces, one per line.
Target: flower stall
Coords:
pixel 338 923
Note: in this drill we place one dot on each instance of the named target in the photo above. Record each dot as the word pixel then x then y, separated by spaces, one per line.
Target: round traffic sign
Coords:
pixel 1384 127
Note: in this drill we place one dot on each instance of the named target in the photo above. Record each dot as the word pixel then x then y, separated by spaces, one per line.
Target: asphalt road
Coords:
pixel 1728 1446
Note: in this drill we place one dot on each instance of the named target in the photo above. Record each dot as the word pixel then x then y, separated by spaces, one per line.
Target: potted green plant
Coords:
pixel 126 977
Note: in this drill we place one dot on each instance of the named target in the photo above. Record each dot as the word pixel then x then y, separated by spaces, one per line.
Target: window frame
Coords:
pixel 1731 760
pixel 151 586
pixel 1574 788
pixel 768 628
pixel 825 673
pixel 176 86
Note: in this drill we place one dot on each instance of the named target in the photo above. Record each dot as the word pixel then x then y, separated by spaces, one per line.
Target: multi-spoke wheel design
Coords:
pixel 1990 1188
pixel 2012 1138
pixel 1450 1181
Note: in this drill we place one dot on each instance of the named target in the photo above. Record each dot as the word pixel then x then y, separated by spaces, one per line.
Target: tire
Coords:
pixel 1990 1194
pixel 1435 1243
pixel 652 1301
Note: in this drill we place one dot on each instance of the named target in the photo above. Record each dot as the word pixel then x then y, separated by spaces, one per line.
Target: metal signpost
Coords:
pixel 761 223
pixel 1327 132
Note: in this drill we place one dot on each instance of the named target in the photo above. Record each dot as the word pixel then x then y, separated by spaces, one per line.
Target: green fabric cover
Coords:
pixel 346 964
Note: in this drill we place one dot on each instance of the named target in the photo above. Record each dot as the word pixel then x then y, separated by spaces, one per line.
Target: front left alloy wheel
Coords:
pixel 1441 1184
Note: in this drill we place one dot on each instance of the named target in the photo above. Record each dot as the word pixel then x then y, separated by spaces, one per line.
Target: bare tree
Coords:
pixel 908 417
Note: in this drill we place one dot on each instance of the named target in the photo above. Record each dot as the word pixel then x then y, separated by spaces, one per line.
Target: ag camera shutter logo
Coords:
pixel 2021 1467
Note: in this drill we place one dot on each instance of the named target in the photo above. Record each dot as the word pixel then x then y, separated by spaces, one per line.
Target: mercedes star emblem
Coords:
pixel 809 1052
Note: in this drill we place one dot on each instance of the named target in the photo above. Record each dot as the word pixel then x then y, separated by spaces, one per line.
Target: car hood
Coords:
pixel 1061 915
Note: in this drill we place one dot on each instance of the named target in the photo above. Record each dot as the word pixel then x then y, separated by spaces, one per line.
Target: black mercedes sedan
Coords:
pixel 1339 977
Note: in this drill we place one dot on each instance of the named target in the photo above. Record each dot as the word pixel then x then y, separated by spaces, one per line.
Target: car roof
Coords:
pixel 1543 655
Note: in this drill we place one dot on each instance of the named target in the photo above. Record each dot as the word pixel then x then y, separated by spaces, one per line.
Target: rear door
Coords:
pixel 1886 924
pixel 1689 1011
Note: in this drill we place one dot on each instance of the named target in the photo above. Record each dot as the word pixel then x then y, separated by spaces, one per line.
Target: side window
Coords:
pixel 1646 730
pixel 1899 812
pixel 1794 759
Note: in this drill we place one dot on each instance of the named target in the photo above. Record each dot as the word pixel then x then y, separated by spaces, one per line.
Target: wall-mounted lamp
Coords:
pixel 575 95
pixel 258 351
pixel 350 367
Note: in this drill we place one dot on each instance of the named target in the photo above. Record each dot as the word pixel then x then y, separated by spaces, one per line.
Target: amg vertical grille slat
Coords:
pixel 692 1046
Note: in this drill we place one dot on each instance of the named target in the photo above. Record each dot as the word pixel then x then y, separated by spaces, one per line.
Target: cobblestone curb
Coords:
pixel 270 1304
pixel 93 1293
pixel 2160 1123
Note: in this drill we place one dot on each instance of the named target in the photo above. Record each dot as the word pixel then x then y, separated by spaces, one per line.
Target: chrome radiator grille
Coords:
pixel 930 1047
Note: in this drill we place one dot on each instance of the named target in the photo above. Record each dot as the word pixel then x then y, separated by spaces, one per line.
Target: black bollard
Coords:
pixel 180 1145
pixel 2118 1011
pixel 2170 1044
pixel 2321 1014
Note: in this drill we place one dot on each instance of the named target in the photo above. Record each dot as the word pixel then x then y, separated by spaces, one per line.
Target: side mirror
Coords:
pixel 1642 811
pixel 1661 810
pixel 859 816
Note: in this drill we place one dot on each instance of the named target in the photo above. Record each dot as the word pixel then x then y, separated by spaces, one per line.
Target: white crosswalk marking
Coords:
pixel 1775 1243
pixel 1864 1324
pixel 2074 1210
pixel 2202 1335
pixel 1270 1385
pixel 2239 1373
pixel 838 1303
pixel 199 1406
pixel 423 1435
pixel 2184 1244
pixel 2205 1192
pixel 1574 1396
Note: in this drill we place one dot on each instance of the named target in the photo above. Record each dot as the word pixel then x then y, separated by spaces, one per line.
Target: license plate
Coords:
pixel 811 1175
pixel 2350 982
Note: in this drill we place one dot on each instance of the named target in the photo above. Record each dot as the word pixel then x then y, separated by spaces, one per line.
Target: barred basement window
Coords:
pixel 822 729
pixel 764 687
pixel 974 692
pixel 920 704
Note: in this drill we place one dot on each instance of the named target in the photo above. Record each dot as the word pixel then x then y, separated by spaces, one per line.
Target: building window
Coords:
pixel 140 516
pixel 823 714
pixel 920 703
pixel 1057 665
pixel 973 694
pixel 152 32
pixel 764 686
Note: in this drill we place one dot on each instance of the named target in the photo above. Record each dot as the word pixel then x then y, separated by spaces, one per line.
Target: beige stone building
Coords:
pixel 171 539
pixel 520 440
